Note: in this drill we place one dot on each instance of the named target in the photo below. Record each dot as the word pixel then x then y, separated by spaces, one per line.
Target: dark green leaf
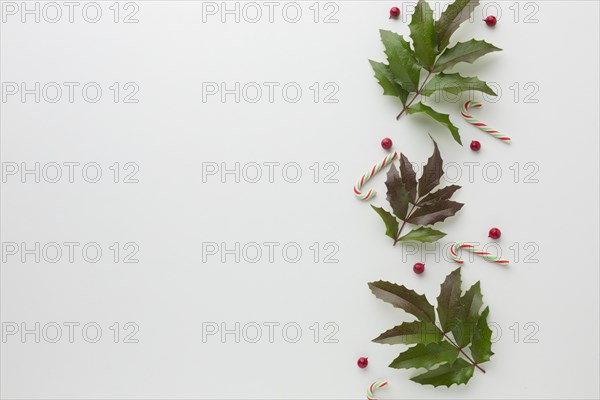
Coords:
pixel 449 300
pixel 387 82
pixel 459 372
pixel 481 349
pixel 409 178
pixel 425 356
pixel 401 59
pixel 456 13
pixel 410 333
pixel 443 119
pixel 422 32
pixel 423 235
pixel 463 52
pixel 406 299
pixel 455 84
pixel 397 195
pixel 467 317
pixel 434 213
pixel 438 195
pixel 432 172
pixel 391 223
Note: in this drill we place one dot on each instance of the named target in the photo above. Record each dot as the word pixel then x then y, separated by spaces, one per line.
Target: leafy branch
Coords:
pixel 430 56
pixel 426 207
pixel 442 350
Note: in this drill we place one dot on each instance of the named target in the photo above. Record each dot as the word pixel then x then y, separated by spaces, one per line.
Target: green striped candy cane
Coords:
pixel 479 124
pixel 374 170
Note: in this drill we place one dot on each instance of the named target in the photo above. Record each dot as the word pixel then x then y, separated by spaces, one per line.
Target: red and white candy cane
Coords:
pixel 374 170
pixel 479 124
pixel 375 385
pixel 469 247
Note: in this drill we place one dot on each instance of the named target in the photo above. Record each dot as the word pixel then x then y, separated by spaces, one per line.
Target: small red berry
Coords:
pixel 495 233
pixel 419 268
pixel 490 20
pixel 362 362
pixel 475 145
pixel 394 12
pixel 386 143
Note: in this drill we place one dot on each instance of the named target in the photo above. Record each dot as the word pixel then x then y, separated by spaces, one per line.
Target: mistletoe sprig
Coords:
pixel 421 70
pixel 414 202
pixel 442 350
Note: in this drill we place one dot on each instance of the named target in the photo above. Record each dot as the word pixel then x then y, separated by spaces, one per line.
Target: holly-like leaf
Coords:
pixel 391 223
pixel 434 213
pixel 459 372
pixel 402 62
pixel 426 356
pixel 397 195
pixel 387 82
pixel 423 235
pixel 422 32
pixel 443 119
pixel 449 300
pixel 410 333
pixel 406 299
pixel 481 348
pixel 463 52
pixel 455 84
pixel 456 13
pixel 438 195
pixel 467 317
pixel 409 178
pixel 432 172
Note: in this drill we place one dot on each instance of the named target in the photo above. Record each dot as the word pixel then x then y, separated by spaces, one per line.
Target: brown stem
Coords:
pixel 417 93
pixel 404 223
pixel 463 353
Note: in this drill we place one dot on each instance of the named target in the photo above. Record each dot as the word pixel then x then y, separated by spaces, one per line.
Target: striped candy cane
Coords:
pixel 461 245
pixel 375 385
pixel 479 124
pixel 375 169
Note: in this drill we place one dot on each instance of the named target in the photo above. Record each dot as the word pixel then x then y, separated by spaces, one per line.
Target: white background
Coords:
pixel 171 132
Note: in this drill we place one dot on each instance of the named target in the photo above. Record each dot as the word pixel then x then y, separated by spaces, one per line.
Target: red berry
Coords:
pixel 475 145
pixel 394 12
pixel 419 268
pixel 495 233
pixel 490 20
pixel 362 362
pixel 386 143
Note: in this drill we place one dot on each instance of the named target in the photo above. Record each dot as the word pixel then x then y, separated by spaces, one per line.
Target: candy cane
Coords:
pixel 375 385
pixel 487 256
pixel 479 124
pixel 363 179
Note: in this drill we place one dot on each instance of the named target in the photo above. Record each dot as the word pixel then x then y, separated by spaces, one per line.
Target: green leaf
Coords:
pixel 425 356
pixel 422 32
pixel 402 62
pixel 387 82
pixel 434 213
pixel 443 119
pixel 397 195
pixel 463 52
pixel 459 372
pixel 467 317
pixel 423 235
pixel 410 333
pixel 456 13
pixel 455 84
pixel 449 300
pixel 438 195
pixel 481 349
pixel 406 299
pixel 432 172
pixel 391 223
